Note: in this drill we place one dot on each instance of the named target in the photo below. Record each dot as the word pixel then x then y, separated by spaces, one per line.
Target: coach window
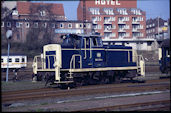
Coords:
pixel 10 60
pixel 17 60
pixel 23 60
pixel 2 24
pixel 2 60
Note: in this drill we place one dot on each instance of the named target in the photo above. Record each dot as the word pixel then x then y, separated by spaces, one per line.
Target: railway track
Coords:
pixel 151 85
pixel 27 72
pixel 145 106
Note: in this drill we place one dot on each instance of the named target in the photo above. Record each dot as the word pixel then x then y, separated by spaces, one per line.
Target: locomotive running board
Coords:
pixel 38 70
pixel 100 69
pixel 63 82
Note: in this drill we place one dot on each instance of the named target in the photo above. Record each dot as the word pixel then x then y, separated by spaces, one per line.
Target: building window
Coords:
pixel 27 25
pixel 2 24
pixel 43 13
pixel 17 60
pixel 95 11
pixel 81 25
pixel 53 25
pixel 45 25
pixel 122 11
pixel 36 25
pixel 69 25
pixel 18 36
pixel 61 25
pixel 15 12
pixel 8 24
pixel 108 11
pixel 18 24
pixel 88 26
pixel 136 11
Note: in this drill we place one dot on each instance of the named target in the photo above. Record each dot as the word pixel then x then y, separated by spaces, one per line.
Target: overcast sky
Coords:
pixel 153 8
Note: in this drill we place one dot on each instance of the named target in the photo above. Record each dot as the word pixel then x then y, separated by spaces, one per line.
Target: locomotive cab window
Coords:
pixel 97 42
pixel 73 41
pixel 17 60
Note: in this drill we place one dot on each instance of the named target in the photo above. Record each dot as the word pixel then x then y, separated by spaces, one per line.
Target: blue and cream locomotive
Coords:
pixel 83 59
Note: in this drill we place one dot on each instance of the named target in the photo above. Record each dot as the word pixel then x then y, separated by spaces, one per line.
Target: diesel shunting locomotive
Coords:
pixel 83 59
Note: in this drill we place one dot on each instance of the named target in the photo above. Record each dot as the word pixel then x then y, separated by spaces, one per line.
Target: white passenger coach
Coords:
pixel 15 62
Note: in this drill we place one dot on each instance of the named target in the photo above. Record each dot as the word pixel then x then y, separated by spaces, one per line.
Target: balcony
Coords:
pixel 121 30
pixel 107 22
pixel 135 22
pixel 135 30
pixel 94 21
pixel 121 22
pixel 107 30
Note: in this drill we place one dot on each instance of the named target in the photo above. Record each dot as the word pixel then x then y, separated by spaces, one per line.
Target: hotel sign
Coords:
pixel 107 2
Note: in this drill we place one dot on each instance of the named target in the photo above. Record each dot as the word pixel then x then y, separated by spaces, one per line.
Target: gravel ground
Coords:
pixel 20 85
pixel 83 102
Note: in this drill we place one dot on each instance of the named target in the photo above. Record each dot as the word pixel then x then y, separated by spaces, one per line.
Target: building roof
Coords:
pixel 25 8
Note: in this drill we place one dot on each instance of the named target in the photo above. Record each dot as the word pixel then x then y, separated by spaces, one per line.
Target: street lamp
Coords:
pixel 8 36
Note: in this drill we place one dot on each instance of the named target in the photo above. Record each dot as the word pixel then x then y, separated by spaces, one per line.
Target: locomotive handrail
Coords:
pixel 140 60
pixel 85 48
pixel 90 48
pixel 73 61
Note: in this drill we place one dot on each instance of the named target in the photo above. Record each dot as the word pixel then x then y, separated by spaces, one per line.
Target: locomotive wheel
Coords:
pixel 67 86
pixel 63 86
pixel 117 79
pixel 105 80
